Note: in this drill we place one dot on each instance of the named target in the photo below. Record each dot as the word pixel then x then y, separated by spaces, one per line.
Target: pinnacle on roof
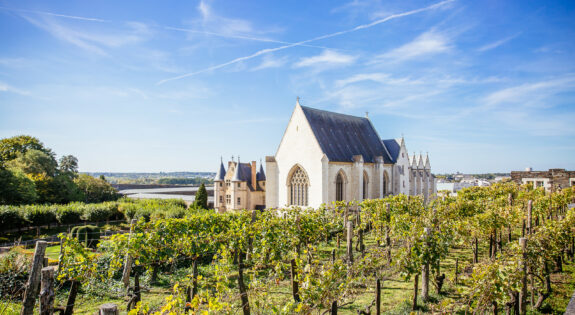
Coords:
pixel 261 175
pixel 221 174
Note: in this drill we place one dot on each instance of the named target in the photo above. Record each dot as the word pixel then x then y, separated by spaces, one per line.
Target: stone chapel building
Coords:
pixel 326 156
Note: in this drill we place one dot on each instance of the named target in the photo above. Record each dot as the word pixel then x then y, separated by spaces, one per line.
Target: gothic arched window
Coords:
pixel 298 188
pixel 339 186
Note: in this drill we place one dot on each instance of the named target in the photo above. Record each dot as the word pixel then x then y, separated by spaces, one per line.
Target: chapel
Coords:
pixel 326 156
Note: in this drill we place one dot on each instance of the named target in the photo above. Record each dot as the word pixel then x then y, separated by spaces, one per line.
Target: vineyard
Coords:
pixel 502 248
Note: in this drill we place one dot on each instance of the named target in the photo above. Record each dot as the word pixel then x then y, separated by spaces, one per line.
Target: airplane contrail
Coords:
pixel 301 43
pixel 56 14
pixel 257 39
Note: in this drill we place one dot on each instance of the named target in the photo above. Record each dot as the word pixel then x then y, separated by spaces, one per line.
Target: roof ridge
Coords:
pixel 333 113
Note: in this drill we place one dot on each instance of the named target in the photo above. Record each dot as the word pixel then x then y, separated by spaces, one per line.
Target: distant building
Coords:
pixel 242 186
pixel 552 179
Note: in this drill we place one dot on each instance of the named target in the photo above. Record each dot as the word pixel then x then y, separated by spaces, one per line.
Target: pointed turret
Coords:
pixel 261 174
pixel 221 174
pixel 420 164
pixel 413 161
pixel 238 173
pixel 427 164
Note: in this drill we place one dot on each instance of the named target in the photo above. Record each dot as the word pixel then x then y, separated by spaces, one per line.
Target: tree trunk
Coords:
pixel 378 297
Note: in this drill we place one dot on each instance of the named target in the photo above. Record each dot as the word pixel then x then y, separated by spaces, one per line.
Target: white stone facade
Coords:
pixel 375 174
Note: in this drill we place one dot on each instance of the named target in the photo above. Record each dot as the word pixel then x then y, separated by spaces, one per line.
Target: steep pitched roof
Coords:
pixel 243 173
pixel 221 174
pixel 342 136
pixel 261 175
pixel 393 147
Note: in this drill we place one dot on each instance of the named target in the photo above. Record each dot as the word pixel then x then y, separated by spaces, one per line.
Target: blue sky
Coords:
pixel 483 86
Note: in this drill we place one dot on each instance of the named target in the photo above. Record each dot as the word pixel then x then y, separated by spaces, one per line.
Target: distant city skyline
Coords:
pixel 152 86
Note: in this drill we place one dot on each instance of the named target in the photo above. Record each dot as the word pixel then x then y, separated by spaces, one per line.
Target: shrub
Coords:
pixel 10 218
pixel 97 212
pixel 39 215
pixel 69 214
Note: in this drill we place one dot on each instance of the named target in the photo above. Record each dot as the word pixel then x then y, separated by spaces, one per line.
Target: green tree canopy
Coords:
pixel 34 162
pixel 201 200
pixel 95 189
pixel 69 165
pixel 11 147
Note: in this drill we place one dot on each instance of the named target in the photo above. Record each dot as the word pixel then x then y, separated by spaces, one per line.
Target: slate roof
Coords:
pixel 261 175
pixel 393 148
pixel 342 136
pixel 243 173
pixel 221 174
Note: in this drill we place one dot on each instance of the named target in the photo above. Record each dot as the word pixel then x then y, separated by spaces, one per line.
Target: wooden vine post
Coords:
pixel 242 286
pixel 415 291
pixel 523 293
pixel 294 282
pixel 108 309
pixel 425 269
pixel 529 222
pixel 333 308
pixel 47 291
pixel 33 284
pixel 69 310
pixel 350 242
pixel 377 297
pixel 128 260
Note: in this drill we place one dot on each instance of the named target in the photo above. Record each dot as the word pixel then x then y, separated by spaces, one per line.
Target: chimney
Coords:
pixel 254 172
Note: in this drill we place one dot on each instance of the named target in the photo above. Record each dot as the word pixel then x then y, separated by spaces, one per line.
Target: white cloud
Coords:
pixel 496 44
pixel 304 42
pixel 223 25
pixel 93 41
pixel 328 58
pixel 530 94
pixel 268 61
pixel 428 43
pixel 8 88
pixel 382 78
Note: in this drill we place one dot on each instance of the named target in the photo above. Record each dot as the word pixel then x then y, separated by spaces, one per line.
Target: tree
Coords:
pixel 34 162
pixel 11 147
pixel 95 189
pixel 16 188
pixel 201 200
pixel 69 165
